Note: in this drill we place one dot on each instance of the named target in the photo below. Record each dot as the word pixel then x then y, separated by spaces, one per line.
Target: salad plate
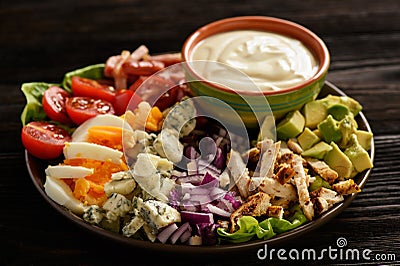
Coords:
pixel 36 168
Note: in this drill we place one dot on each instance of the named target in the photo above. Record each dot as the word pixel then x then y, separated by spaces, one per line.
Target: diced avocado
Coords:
pixel 338 111
pixel 329 130
pixel 314 112
pixel 291 125
pixel 318 133
pixel 318 151
pixel 339 161
pixel 307 139
pixel 358 155
pixel 354 106
pixel 364 138
pixel 318 183
pixel 347 126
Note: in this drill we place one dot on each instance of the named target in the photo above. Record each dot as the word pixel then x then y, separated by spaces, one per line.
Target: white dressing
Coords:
pixel 272 61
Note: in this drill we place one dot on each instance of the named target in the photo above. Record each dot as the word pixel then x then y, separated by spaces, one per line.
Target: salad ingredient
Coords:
pixel 358 156
pixel 167 59
pixel 290 126
pixel 92 88
pixel 125 99
pixel 81 109
pixel 94 72
pixel 159 90
pixel 250 228
pixel 142 68
pixel 323 170
pixel 44 140
pixel 114 65
pixel 68 171
pixel 329 130
pixel 346 187
pixel 272 61
pixel 81 132
pixel 61 193
pixel 307 139
pixel 93 151
pixel 53 102
pixel 108 136
pixel 153 119
pixel 338 111
pixel 364 138
pixel 318 151
pixel 197 217
pixel 338 161
pixel 33 110
pixel 314 112
pixel 167 232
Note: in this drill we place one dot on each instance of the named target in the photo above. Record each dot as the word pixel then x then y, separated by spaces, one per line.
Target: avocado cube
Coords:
pixel 358 155
pixel 291 125
pixel 307 139
pixel 318 151
pixel 364 138
pixel 338 111
pixel 314 112
pixel 339 161
pixel 329 130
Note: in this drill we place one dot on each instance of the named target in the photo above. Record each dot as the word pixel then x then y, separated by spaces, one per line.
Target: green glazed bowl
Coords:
pixel 252 107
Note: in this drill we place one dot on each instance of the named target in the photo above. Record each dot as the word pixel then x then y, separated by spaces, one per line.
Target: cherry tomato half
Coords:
pixel 122 100
pixel 158 89
pixel 44 140
pixel 92 88
pixel 53 102
pixel 81 109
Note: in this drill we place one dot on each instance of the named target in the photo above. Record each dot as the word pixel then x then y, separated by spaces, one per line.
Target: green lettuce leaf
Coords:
pixel 249 227
pixel 90 72
pixel 33 110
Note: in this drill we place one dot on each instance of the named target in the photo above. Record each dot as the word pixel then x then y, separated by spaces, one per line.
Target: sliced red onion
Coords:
pixel 196 217
pixel 178 233
pixel 191 167
pixel 218 211
pixel 185 236
pixel 166 233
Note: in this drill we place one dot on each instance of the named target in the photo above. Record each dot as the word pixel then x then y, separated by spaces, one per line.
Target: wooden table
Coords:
pixel 42 40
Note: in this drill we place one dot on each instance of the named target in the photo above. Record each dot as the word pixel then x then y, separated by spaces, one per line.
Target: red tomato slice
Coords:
pixel 91 88
pixel 158 89
pixel 44 140
pixel 122 100
pixel 53 102
pixel 81 109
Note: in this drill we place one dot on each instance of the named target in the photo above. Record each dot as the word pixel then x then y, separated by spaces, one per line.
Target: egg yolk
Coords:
pixel 90 189
pixel 107 136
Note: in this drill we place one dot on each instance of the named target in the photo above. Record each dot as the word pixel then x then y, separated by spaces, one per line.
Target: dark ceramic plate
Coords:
pixel 36 169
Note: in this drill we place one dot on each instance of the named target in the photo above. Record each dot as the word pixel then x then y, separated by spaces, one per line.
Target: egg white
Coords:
pixel 61 193
pixel 91 151
pixel 68 171
pixel 81 132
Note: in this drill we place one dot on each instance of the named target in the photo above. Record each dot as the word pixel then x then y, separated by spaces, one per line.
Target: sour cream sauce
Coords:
pixel 272 61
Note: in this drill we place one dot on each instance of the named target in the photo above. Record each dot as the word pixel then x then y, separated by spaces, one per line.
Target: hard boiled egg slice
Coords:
pixel 91 151
pixel 61 193
pixel 81 132
pixel 68 171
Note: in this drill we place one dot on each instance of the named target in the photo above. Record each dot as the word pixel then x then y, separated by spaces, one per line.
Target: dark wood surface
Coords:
pixel 41 40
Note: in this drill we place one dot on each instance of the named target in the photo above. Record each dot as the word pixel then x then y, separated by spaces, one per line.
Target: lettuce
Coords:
pixel 33 110
pixel 90 72
pixel 249 227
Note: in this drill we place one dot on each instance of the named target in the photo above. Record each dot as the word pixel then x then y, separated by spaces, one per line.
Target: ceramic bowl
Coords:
pixel 251 106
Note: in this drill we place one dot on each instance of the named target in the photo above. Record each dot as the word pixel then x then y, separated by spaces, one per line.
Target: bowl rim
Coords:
pixel 280 26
